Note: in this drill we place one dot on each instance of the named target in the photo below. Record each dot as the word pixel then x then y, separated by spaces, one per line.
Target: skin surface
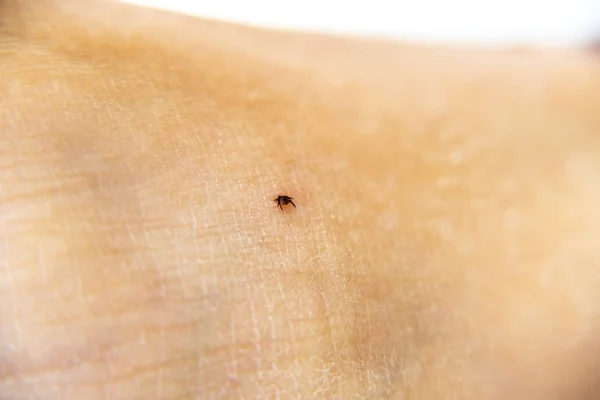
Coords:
pixel 445 243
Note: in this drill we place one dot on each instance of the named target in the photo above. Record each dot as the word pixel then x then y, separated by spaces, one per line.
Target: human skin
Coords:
pixel 444 245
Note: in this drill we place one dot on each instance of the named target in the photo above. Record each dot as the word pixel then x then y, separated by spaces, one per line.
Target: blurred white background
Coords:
pixel 545 22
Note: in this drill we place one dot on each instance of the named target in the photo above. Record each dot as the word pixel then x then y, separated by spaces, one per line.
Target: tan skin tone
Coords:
pixel 444 245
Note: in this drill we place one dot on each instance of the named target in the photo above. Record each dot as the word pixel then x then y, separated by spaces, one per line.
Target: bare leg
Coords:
pixel 446 245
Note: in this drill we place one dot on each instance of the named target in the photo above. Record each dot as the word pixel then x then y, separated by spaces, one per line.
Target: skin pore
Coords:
pixel 444 244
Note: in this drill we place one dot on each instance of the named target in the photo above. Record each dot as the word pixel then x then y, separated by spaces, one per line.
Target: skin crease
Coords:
pixel 444 245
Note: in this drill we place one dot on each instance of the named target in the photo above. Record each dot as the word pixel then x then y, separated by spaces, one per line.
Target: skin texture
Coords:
pixel 444 245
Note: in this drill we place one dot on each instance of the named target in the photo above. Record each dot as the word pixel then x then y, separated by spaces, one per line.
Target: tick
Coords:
pixel 284 201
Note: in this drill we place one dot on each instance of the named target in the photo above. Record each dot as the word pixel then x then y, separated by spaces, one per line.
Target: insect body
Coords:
pixel 284 201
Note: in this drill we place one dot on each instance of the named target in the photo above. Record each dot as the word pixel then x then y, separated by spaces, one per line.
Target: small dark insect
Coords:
pixel 284 201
